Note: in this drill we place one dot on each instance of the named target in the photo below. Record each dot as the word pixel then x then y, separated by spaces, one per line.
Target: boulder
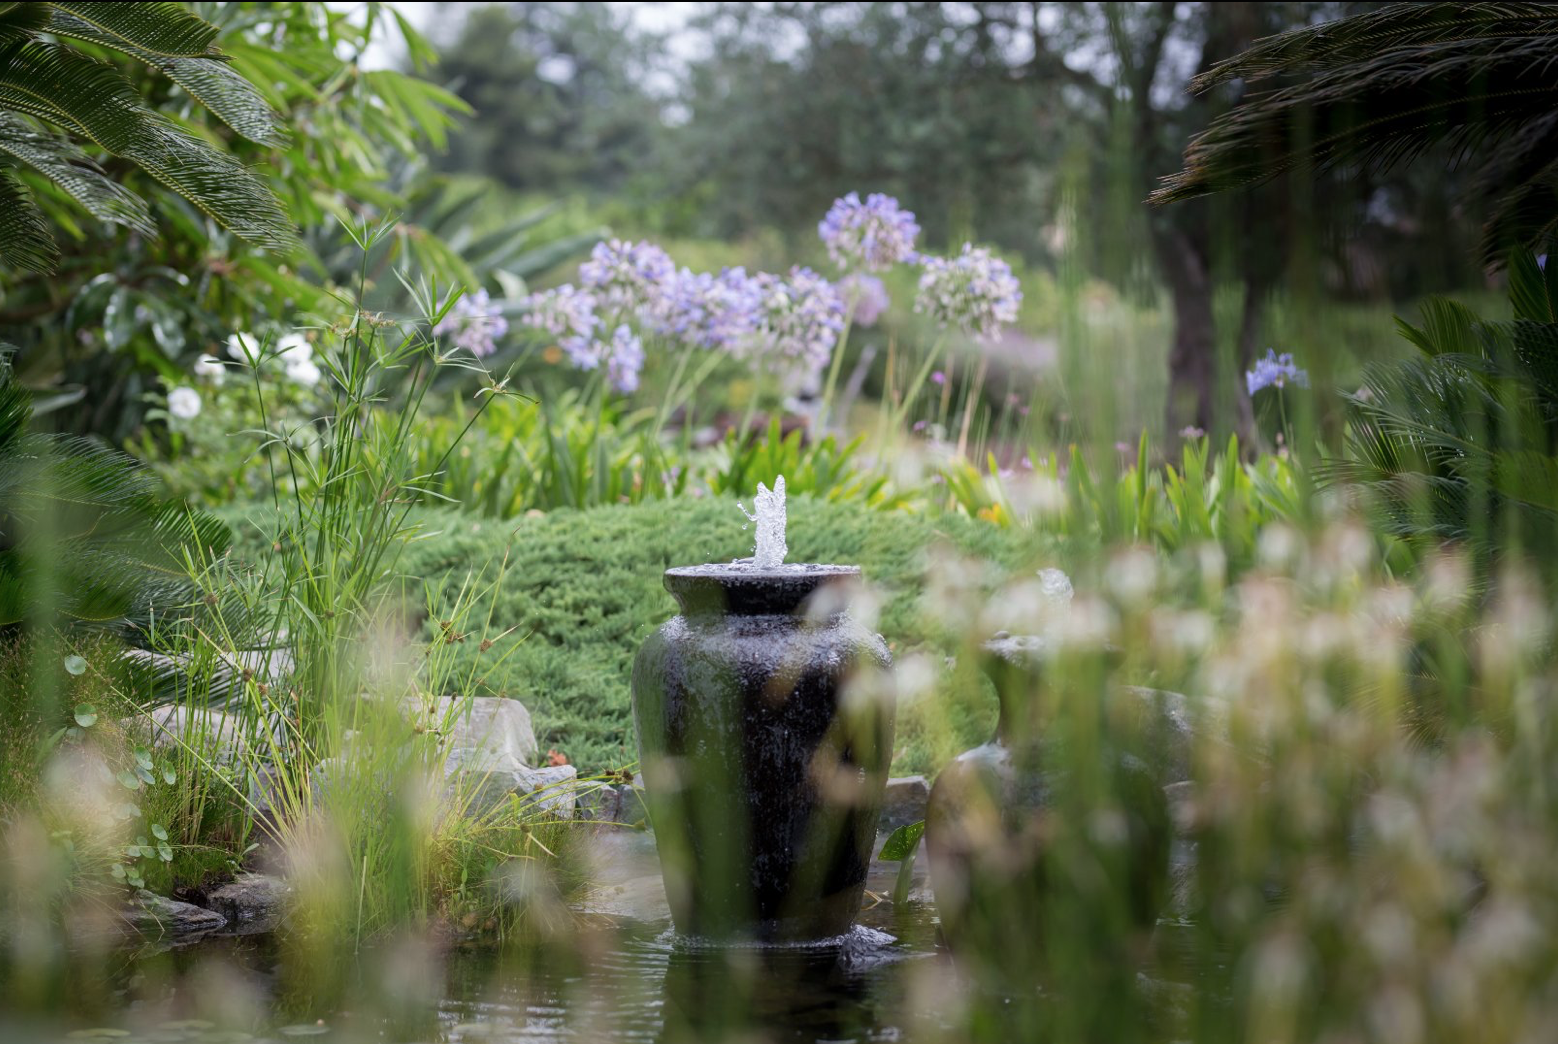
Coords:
pixel 214 731
pixel 476 782
pixel 904 801
pixel 251 903
pixel 613 803
pixel 156 917
pixel 494 727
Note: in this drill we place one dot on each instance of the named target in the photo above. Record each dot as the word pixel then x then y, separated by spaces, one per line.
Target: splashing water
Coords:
pixel 769 516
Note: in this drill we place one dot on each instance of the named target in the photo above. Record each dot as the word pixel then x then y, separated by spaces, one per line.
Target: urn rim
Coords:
pixel 744 590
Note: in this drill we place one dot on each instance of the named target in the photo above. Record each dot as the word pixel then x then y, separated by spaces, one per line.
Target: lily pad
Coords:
pixel 86 715
pixel 75 665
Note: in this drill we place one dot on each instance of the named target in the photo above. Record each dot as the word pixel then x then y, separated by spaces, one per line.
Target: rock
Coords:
pixel 157 917
pixel 216 732
pixel 251 903
pixel 613 803
pixel 493 726
pixel 555 789
pixel 904 801
pixel 475 783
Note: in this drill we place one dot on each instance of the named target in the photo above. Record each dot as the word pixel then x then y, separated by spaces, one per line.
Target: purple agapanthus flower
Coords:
pixel 628 277
pixel 876 234
pixel 1275 371
pixel 624 359
pixel 706 310
pixel 866 297
pixel 796 321
pixel 562 312
pixel 974 291
pixel 473 323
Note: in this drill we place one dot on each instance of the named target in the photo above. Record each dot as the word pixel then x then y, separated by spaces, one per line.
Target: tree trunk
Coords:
pixel 1192 380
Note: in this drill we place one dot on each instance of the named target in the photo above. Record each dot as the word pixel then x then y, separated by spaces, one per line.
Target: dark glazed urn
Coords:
pixel 765 730
pixel 1056 833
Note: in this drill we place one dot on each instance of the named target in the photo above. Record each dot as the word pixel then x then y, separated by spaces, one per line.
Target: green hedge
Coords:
pixel 583 589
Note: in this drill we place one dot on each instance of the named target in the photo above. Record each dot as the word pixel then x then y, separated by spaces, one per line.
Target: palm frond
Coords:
pixel 204 74
pixel 1360 38
pixel 89 98
pixel 1381 89
pixel 162 29
pixel 25 240
pixel 1464 98
pixel 64 163
pixel 221 187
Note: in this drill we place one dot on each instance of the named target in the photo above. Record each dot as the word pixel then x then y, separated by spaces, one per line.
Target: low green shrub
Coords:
pixel 583 588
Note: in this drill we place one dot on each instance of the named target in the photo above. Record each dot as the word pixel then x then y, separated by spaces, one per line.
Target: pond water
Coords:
pixel 623 976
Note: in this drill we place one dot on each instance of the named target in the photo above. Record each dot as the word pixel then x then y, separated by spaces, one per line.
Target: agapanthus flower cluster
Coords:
pixel 974 291
pixel 876 234
pixel 795 324
pixel 565 312
pixel 628 278
pixel 866 298
pixel 622 356
pixel 709 311
pixel 1275 371
pixel 473 323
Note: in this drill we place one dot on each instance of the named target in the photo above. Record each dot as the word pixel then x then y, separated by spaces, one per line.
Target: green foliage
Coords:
pixel 45 82
pixel 583 589
pixel 1461 442
pixel 86 535
pixel 1208 497
pixel 126 314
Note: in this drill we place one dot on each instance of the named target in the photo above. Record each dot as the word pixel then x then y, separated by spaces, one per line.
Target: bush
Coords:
pixel 583 589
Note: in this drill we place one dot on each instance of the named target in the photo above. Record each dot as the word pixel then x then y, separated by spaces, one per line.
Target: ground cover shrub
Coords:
pixel 582 589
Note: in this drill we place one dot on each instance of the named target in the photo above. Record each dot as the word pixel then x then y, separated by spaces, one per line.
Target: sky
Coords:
pixel 440 20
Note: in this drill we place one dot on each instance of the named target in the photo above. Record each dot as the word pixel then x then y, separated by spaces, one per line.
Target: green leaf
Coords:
pixel 26 241
pixel 86 715
pixel 75 665
pixel 142 758
pixel 61 161
pixel 1528 289
pixel 159 831
pixel 129 780
pixel 169 775
pixel 163 29
pixel 901 843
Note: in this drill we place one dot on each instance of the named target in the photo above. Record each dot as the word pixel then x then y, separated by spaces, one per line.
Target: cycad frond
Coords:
pixel 84 532
pixel 204 74
pixel 62 162
pixel 230 193
pixel 25 240
pixel 91 99
pixel 1478 81
pixel 161 29
pixel 1367 36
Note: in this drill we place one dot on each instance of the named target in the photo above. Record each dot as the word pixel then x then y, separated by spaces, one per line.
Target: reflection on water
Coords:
pixel 617 979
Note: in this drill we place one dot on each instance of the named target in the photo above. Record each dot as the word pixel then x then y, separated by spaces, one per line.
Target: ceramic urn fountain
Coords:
pixel 765 731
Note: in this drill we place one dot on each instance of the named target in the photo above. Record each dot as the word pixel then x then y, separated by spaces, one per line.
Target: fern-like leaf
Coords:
pixel 205 76
pixel 62 162
pixel 162 29
pixel 25 240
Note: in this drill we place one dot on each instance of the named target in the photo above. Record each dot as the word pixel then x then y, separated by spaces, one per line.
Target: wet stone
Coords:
pixel 251 903
pixel 904 801
pixel 156 917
